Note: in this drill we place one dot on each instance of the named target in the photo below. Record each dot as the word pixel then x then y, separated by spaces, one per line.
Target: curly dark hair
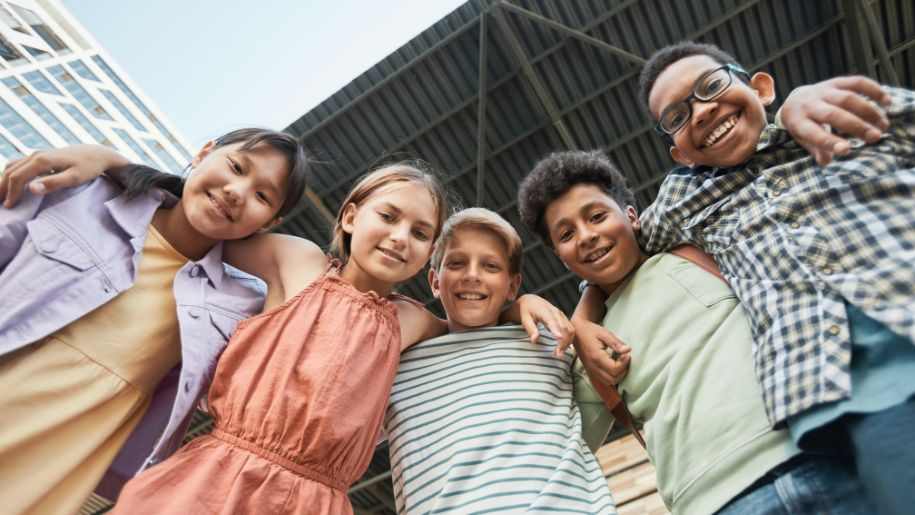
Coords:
pixel 660 60
pixel 555 174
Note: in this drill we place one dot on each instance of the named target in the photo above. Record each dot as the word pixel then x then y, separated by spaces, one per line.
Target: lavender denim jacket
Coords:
pixel 65 254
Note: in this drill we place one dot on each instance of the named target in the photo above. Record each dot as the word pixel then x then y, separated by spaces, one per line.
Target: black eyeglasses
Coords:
pixel 707 87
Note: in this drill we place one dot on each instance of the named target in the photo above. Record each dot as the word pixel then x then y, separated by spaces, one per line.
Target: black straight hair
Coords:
pixel 142 178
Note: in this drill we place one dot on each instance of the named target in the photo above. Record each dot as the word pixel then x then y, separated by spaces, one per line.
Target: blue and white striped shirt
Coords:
pixel 484 421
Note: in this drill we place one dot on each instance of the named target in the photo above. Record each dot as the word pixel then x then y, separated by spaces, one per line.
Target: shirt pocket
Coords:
pixel 55 245
pixel 704 287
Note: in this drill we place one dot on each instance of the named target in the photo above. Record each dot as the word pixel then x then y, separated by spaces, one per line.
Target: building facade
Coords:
pixel 59 87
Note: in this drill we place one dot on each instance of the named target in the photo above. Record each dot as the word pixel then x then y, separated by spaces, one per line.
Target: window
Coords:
pixel 132 143
pixel 8 51
pixel 123 109
pixel 37 53
pixel 11 21
pixel 8 150
pixel 164 156
pixel 79 92
pixel 136 100
pixel 41 83
pixel 41 110
pixel 41 28
pixel 84 122
pixel 16 124
pixel 82 70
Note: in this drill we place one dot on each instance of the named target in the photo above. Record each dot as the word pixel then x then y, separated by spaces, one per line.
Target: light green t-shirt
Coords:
pixel 691 383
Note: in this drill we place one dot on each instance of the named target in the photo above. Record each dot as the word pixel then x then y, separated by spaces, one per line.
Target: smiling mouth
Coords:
pixel 597 254
pixel 220 207
pixel 471 296
pixel 393 255
pixel 721 130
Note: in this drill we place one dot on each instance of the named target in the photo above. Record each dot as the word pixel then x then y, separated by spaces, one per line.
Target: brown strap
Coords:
pixel 699 258
pixel 617 407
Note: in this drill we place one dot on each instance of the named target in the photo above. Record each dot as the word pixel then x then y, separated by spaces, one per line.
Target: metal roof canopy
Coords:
pixel 496 85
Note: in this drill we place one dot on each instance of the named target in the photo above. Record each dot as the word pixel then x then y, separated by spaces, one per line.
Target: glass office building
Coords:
pixel 59 87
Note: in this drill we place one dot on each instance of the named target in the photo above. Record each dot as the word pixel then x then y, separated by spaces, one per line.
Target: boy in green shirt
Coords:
pixel 691 379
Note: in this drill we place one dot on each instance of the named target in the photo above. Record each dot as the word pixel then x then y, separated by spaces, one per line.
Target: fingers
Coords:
pixel 863 86
pixel 530 326
pixel 18 174
pixel 819 141
pixel 613 342
pixel 562 330
pixel 51 183
pixel 852 116
pixel 608 370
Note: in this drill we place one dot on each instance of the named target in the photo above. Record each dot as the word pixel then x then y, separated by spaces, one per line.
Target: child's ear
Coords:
pixel 514 286
pixel 764 85
pixel 203 152
pixel 680 157
pixel 633 217
pixel 349 218
pixel 433 283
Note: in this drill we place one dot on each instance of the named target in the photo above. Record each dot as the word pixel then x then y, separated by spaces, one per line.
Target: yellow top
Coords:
pixel 69 401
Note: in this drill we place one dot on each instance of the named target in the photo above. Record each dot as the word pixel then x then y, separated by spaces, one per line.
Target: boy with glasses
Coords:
pixel 822 258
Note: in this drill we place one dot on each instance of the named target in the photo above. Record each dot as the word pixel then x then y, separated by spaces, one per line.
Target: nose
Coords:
pixel 233 193
pixel 703 112
pixel 400 233
pixel 587 237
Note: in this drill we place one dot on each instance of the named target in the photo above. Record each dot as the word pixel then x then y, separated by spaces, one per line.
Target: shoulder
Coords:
pixel 679 283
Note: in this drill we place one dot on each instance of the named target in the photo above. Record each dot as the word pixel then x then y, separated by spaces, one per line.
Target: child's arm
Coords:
pixel 286 263
pixel 417 323
pixel 603 355
pixel 56 169
pixel 530 310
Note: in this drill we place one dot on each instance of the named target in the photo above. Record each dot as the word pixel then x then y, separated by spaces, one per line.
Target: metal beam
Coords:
pixel 481 112
pixel 540 90
pixel 544 55
pixel 575 33
pixel 857 41
pixel 369 482
pixel 880 43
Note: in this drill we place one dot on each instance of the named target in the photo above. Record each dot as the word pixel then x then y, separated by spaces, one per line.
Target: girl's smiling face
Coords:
pixel 231 193
pixel 392 233
pixel 723 131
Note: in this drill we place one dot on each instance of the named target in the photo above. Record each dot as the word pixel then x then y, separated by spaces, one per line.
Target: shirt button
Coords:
pixel 834 330
pixel 827 270
pixel 795 225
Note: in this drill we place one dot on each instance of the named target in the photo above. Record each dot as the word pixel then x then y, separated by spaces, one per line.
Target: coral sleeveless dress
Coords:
pixel 298 398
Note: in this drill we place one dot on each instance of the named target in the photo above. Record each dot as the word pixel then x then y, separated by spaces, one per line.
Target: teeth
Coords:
pixel 720 130
pixel 471 296
pixel 594 256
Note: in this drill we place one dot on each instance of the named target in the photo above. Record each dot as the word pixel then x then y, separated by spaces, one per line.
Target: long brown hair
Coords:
pixel 404 171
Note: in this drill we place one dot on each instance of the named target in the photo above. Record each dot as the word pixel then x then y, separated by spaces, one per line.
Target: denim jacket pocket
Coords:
pixel 56 245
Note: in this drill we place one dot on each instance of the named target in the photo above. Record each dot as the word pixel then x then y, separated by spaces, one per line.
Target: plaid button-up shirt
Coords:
pixel 797 241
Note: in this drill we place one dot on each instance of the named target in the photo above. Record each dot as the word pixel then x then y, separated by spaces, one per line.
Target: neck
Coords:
pixel 362 281
pixel 173 225
pixel 454 327
pixel 611 287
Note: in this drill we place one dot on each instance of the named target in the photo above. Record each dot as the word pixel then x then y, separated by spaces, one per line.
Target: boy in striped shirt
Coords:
pixel 482 419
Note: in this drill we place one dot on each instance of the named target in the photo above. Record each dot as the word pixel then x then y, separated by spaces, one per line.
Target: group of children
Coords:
pixel 780 384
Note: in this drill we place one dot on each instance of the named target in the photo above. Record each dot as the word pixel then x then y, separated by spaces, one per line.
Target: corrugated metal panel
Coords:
pixel 422 100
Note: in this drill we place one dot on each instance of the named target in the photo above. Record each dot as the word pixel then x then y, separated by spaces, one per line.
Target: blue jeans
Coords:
pixel 885 456
pixel 810 483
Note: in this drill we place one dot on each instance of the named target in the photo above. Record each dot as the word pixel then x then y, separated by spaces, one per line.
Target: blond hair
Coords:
pixel 404 171
pixel 480 218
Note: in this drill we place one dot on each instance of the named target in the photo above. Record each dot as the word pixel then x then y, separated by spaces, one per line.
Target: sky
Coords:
pixel 212 66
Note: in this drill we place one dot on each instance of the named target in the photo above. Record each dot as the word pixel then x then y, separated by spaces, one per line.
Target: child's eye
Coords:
pixel 263 197
pixel 565 235
pixel 493 267
pixel 598 217
pixel 420 235
pixel 454 265
pixel 387 217
pixel 236 168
